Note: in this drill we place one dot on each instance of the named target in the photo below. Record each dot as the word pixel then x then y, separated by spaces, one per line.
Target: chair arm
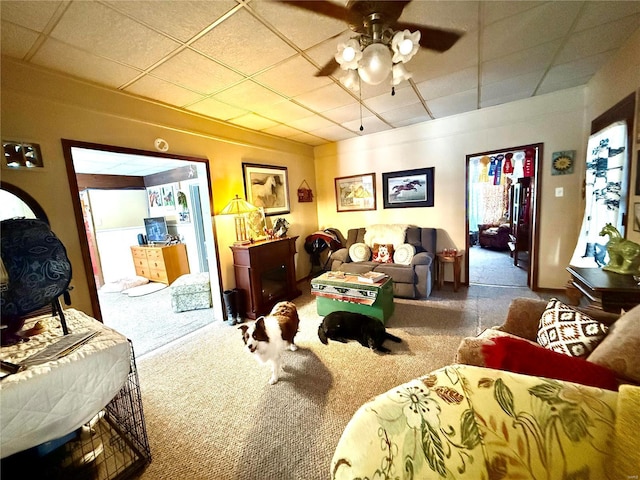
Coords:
pixel 341 255
pixel 422 258
pixel 523 317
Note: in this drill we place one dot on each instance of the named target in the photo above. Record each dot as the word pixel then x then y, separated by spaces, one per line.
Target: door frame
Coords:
pixel 67 145
pixel 532 274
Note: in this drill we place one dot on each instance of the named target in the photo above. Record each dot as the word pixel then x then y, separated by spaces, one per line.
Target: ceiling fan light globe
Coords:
pixel 405 45
pixel 348 54
pixel 375 64
pixel 351 81
pixel 400 74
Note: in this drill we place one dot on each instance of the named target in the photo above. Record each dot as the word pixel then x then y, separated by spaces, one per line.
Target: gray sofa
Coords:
pixel 409 281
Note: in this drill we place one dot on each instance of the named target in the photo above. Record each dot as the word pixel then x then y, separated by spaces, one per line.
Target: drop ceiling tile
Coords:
pixel 283 111
pixel 518 63
pixel 111 34
pixel 313 122
pixel 371 125
pixel 549 21
pixel 32 15
pixel 501 10
pixel 454 104
pixel 254 122
pixel 213 108
pixel 413 111
pixel 599 13
pixel 182 19
pixel 293 77
pixel 346 113
pixel 281 131
pixel 427 64
pixel 522 86
pixel 449 15
pixel 449 84
pixel 580 68
pixel 157 89
pixel 404 122
pixel 325 98
pixel 308 139
pixel 554 84
pixel 59 56
pixel 302 27
pixel 249 95
pixel 383 89
pixel 598 39
pixel 334 133
pixel 205 76
pixel 385 102
pixel 15 40
pixel 325 51
pixel 244 43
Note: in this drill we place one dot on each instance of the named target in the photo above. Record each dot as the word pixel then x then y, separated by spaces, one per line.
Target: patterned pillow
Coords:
pixel 566 330
pixel 382 253
pixel 359 252
pixel 404 254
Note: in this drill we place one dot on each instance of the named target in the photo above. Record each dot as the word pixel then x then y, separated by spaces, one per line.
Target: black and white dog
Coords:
pixel 344 326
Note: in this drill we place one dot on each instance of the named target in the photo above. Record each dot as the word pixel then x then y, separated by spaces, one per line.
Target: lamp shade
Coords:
pixel 238 206
pixel 375 65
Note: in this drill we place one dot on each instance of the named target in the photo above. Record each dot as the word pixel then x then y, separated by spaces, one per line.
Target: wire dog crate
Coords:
pixel 112 446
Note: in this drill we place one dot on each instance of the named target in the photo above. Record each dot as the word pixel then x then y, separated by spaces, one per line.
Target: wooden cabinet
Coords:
pixel 161 264
pixel 266 273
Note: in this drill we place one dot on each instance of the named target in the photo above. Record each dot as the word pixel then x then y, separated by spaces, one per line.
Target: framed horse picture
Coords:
pixel 408 188
pixel 267 187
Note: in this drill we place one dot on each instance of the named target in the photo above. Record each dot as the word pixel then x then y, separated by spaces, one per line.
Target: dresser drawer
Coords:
pixel 158 276
pixel 138 253
pixel 154 254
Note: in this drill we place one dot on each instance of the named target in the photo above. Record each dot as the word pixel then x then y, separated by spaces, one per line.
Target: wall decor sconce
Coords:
pixel 22 155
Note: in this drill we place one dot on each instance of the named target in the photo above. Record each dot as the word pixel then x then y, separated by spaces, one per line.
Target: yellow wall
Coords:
pixel 43 107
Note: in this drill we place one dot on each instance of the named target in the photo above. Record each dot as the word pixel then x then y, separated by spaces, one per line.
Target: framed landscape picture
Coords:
pixel 356 193
pixel 408 188
pixel 267 187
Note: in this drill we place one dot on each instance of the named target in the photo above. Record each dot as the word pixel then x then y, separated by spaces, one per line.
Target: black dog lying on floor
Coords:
pixel 344 326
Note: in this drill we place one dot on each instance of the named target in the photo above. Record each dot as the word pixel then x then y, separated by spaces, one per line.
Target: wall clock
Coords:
pixel 562 162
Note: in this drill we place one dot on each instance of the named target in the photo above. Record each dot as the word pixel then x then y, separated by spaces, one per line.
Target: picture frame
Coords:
pixel 408 188
pixel 267 186
pixel 356 193
pixel 636 217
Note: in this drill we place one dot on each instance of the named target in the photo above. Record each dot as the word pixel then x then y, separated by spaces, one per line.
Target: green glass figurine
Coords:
pixel 624 255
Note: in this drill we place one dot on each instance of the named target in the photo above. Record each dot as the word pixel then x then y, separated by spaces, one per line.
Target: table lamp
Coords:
pixel 239 207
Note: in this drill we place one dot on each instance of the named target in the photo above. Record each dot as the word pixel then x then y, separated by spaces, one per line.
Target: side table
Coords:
pixel 456 261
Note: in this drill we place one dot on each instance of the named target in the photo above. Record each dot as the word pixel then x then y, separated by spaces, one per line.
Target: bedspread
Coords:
pixel 466 422
pixel 47 401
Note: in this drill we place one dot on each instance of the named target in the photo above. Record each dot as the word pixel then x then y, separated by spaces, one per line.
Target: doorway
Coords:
pixel 502 216
pixel 189 219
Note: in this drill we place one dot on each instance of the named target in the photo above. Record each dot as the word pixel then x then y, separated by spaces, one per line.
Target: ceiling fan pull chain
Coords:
pixel 360 91
pixel 393 90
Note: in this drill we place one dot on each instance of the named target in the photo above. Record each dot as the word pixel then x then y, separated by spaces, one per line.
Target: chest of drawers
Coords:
pixel 161 264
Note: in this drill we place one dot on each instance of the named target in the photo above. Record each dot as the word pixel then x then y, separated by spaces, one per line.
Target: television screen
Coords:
pixel 156 228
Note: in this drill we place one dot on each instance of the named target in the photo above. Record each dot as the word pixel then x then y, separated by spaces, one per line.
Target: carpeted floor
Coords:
pixel 495 267
pixel 211 414
pixel 148 320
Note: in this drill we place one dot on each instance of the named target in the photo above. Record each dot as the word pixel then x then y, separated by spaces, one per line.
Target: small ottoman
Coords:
pixel 191 292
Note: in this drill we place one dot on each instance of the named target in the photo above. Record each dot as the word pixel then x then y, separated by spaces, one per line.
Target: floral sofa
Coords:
pixel 409 263
pixel 473 422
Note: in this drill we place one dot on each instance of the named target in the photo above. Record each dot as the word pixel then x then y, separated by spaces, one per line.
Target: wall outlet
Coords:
pixel 559 192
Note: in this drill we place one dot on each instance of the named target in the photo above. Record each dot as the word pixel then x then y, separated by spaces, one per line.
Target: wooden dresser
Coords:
pixel 266 272
pixel 161 264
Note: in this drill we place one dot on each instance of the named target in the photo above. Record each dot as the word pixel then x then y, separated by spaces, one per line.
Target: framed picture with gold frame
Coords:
pixel 356 193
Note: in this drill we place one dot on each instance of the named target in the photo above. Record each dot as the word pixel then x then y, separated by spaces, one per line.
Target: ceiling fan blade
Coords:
pixel 328 68
pixel 431 38
pixel 325 8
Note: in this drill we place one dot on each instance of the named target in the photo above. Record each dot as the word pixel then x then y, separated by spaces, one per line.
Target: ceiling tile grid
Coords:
pixel 253 62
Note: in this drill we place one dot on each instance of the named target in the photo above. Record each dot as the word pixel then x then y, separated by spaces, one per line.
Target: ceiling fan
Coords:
pixel 383 44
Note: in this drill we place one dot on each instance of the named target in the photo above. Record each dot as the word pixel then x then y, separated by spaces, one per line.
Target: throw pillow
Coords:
pixel 382 253
pixel 404 254
pixel 566 330
pixel 359 252
pixel 520 356
pixel 620 350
